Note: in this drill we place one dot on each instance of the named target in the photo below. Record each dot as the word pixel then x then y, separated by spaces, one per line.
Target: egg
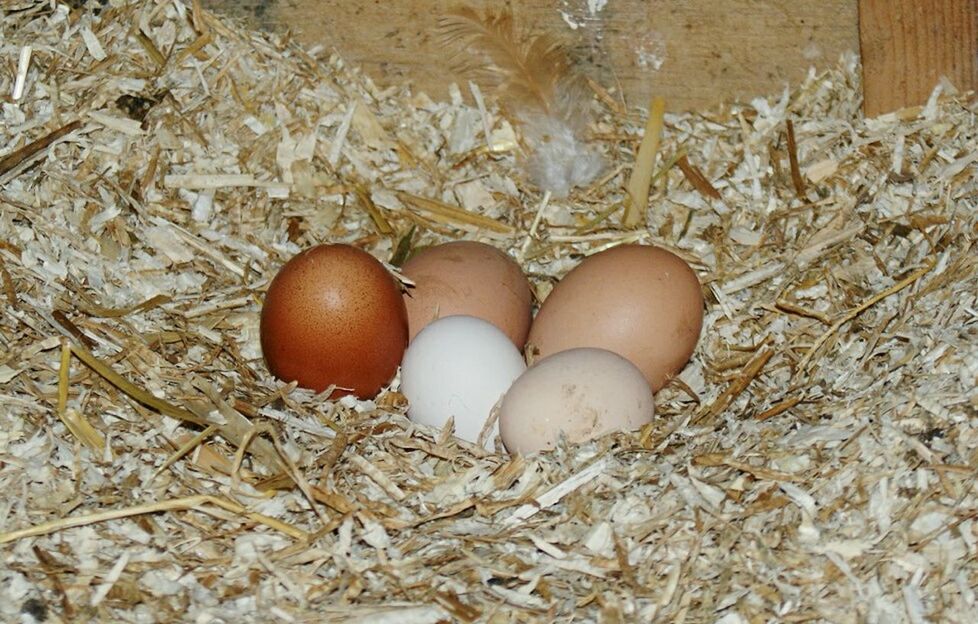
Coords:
pixel 333 315
pixel 468 278
pixel 642 302
pixel 580 393
pixel 458 367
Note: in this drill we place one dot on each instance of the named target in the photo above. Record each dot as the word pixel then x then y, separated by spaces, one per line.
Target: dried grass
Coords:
pixel 816 460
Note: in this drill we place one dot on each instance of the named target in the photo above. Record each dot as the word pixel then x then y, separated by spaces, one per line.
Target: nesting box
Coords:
pixel 693 53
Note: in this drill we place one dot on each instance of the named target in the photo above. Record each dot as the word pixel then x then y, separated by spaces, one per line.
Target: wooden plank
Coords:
pixel 907 45
pixel 694 53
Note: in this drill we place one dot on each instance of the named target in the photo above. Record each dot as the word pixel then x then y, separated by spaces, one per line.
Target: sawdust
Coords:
pixel 815 461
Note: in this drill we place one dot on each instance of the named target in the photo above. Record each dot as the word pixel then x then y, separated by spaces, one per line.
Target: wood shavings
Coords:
pixel 92 43
pixel 814 462
pixel 378 477
pixel 23 64
pixel 556 493
pixel 11 161
pixel 126 126
pixel 214 181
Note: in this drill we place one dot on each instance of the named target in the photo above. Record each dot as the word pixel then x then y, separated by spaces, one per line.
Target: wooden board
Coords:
pixel 695 53
pixel 907 45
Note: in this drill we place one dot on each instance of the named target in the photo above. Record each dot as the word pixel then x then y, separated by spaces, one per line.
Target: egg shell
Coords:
pixel 472 279
pixel 582 393
pixel 334 315
pixel 642 302
pixel 459 366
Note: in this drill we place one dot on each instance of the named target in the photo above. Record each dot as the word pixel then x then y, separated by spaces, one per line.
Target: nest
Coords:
pixel 816 460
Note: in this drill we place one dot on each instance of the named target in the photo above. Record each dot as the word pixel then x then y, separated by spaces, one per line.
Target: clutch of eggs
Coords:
pixel 614 330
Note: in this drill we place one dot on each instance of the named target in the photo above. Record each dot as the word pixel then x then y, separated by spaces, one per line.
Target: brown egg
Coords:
pixel 468 278
pixel 334 315
pixel 643 303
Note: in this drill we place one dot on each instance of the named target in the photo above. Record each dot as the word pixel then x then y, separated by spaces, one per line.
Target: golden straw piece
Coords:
pixel 131 389
pixel 638 184
pixel 179 504
pixel 75 422
pixel 447 213
pixel 183 450
pixel 853 313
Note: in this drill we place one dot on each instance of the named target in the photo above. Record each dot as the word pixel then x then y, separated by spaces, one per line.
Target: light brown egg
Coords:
pixel 642 302
pixel 334 315
pixel 472 279
pixel 580 393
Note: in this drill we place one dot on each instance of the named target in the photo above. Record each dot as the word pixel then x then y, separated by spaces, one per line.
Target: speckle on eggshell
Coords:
pixel 579 393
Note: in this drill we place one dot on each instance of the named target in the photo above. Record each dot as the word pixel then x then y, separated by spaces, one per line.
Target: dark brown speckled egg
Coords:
pixel 333 315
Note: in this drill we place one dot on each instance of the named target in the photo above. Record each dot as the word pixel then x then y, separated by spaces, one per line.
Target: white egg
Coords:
pixel 458 366
pixel 583 393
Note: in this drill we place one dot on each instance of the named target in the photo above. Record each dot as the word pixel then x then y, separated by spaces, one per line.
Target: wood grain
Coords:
pixel 907 45
pixel 694 53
